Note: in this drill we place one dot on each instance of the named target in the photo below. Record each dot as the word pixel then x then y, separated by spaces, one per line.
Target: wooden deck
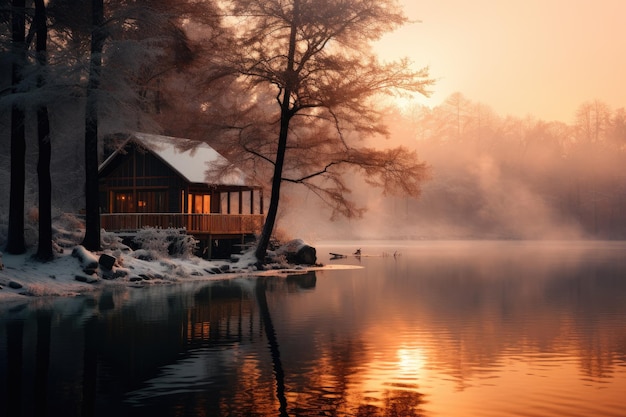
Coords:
pixel 197 224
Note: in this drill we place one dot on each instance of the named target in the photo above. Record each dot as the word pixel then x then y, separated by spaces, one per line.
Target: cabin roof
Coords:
pixel 190 159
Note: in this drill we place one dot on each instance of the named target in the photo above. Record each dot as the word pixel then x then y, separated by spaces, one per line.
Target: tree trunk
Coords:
pixel 270 219
pixel 15 238
pixel 91 240
pixel 44 249
pixel 285 118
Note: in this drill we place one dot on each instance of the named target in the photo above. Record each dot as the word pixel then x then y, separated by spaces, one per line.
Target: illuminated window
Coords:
pixel 152 201
pixel 199 203
pixel 197 206
pixel 123 202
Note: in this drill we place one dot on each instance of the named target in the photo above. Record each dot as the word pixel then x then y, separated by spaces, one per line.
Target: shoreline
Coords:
pixel 24 278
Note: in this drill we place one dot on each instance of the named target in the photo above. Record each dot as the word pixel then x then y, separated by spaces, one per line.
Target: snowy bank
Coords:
pixel 75 270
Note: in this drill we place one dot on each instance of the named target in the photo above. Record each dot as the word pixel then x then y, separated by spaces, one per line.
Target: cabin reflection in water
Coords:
pixel 221 314
pixel 450 329
pixel 220 348
pixel 219 370
pixel 226 312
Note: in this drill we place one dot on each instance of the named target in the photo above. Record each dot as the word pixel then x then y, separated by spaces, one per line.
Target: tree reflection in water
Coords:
pixel 472 329
pixel 270 333
pixel 344 365
pixel 14 335
pixel 192 351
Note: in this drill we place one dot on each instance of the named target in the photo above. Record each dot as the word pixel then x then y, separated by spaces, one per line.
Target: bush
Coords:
pixel 165 242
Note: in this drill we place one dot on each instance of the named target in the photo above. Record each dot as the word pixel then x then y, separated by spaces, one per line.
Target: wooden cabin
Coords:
pixel 160 181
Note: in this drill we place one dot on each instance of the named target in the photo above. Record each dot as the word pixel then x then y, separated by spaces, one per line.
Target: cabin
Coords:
pixel 160 181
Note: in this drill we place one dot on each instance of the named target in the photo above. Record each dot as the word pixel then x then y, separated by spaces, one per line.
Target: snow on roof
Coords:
pixel 191 164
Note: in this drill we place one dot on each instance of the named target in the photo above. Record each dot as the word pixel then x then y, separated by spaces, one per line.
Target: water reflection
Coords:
pixel 470 330
pixel 552 315
pixel 270 333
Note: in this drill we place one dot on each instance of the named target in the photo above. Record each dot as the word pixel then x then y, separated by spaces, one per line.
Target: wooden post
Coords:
pixel 261 202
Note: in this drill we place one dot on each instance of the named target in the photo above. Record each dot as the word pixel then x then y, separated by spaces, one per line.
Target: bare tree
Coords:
pixel 15 238
pixel 592 121
pixel 314 59
pixel 44 248
pixel 91 240
pixel 458 109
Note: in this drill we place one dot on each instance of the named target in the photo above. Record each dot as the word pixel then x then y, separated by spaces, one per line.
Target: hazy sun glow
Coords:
pixel 410 360
pixel 520 56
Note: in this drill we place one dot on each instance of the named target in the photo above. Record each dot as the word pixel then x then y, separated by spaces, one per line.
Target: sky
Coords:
pixel 521 57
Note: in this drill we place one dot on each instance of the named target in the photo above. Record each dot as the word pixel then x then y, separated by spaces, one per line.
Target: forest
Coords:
pixel 170 67
pixel 253 78
pixel 72 72
pixel 504 177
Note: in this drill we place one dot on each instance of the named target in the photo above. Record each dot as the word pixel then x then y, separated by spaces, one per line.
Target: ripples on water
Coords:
pixel 441 329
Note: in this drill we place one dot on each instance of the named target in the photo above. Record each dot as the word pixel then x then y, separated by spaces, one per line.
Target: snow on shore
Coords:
pixel 68 275
pixel 75 270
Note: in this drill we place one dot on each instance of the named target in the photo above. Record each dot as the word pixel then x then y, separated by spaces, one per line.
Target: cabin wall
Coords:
pixel 138 189
pixel 138 175
pixel 150 183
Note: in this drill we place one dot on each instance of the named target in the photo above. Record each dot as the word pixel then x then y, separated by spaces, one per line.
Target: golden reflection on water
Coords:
pixel 531 332
pixel 483 329
pixel 410 361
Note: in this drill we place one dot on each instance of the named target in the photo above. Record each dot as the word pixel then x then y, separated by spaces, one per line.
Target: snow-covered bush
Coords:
pixel 39 290
pixel 157 242
pixel 67 230
pixel 183 245
pixel 69 222
pixel 277 261
pixel 111 240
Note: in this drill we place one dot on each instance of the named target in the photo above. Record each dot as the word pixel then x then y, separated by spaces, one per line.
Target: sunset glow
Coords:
pixel 295 208
pixel 410 360
pixel 519 57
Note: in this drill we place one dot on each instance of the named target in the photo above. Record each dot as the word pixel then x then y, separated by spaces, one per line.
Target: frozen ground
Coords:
pixel 75 270
pixel 67 275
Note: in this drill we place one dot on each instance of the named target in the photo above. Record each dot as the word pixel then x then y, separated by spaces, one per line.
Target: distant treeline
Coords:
pixel 506 177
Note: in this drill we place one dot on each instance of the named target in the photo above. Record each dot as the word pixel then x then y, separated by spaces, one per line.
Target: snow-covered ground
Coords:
pixel 69 275
pixel 75 270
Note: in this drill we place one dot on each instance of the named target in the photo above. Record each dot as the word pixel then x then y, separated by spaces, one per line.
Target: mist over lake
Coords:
pixel 490 328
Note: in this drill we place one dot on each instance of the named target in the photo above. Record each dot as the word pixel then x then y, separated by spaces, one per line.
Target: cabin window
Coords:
pixel 152 202
pixel 225 203
pixel 246 202
pixel 144 202
pixel 199 203
pixel 123 202
pixel 232 199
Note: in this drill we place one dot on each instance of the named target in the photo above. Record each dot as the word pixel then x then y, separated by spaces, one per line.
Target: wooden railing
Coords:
pixel 194 223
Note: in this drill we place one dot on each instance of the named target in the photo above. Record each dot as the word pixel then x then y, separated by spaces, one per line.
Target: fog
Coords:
pixel 493 177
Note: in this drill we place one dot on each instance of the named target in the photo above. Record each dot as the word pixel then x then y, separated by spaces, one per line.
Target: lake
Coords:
pixel 408 329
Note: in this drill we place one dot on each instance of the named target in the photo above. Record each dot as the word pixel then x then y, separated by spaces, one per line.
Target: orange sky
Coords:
pixel 538 57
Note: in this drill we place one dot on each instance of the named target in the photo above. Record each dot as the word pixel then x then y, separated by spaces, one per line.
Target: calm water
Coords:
pixel 443 329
